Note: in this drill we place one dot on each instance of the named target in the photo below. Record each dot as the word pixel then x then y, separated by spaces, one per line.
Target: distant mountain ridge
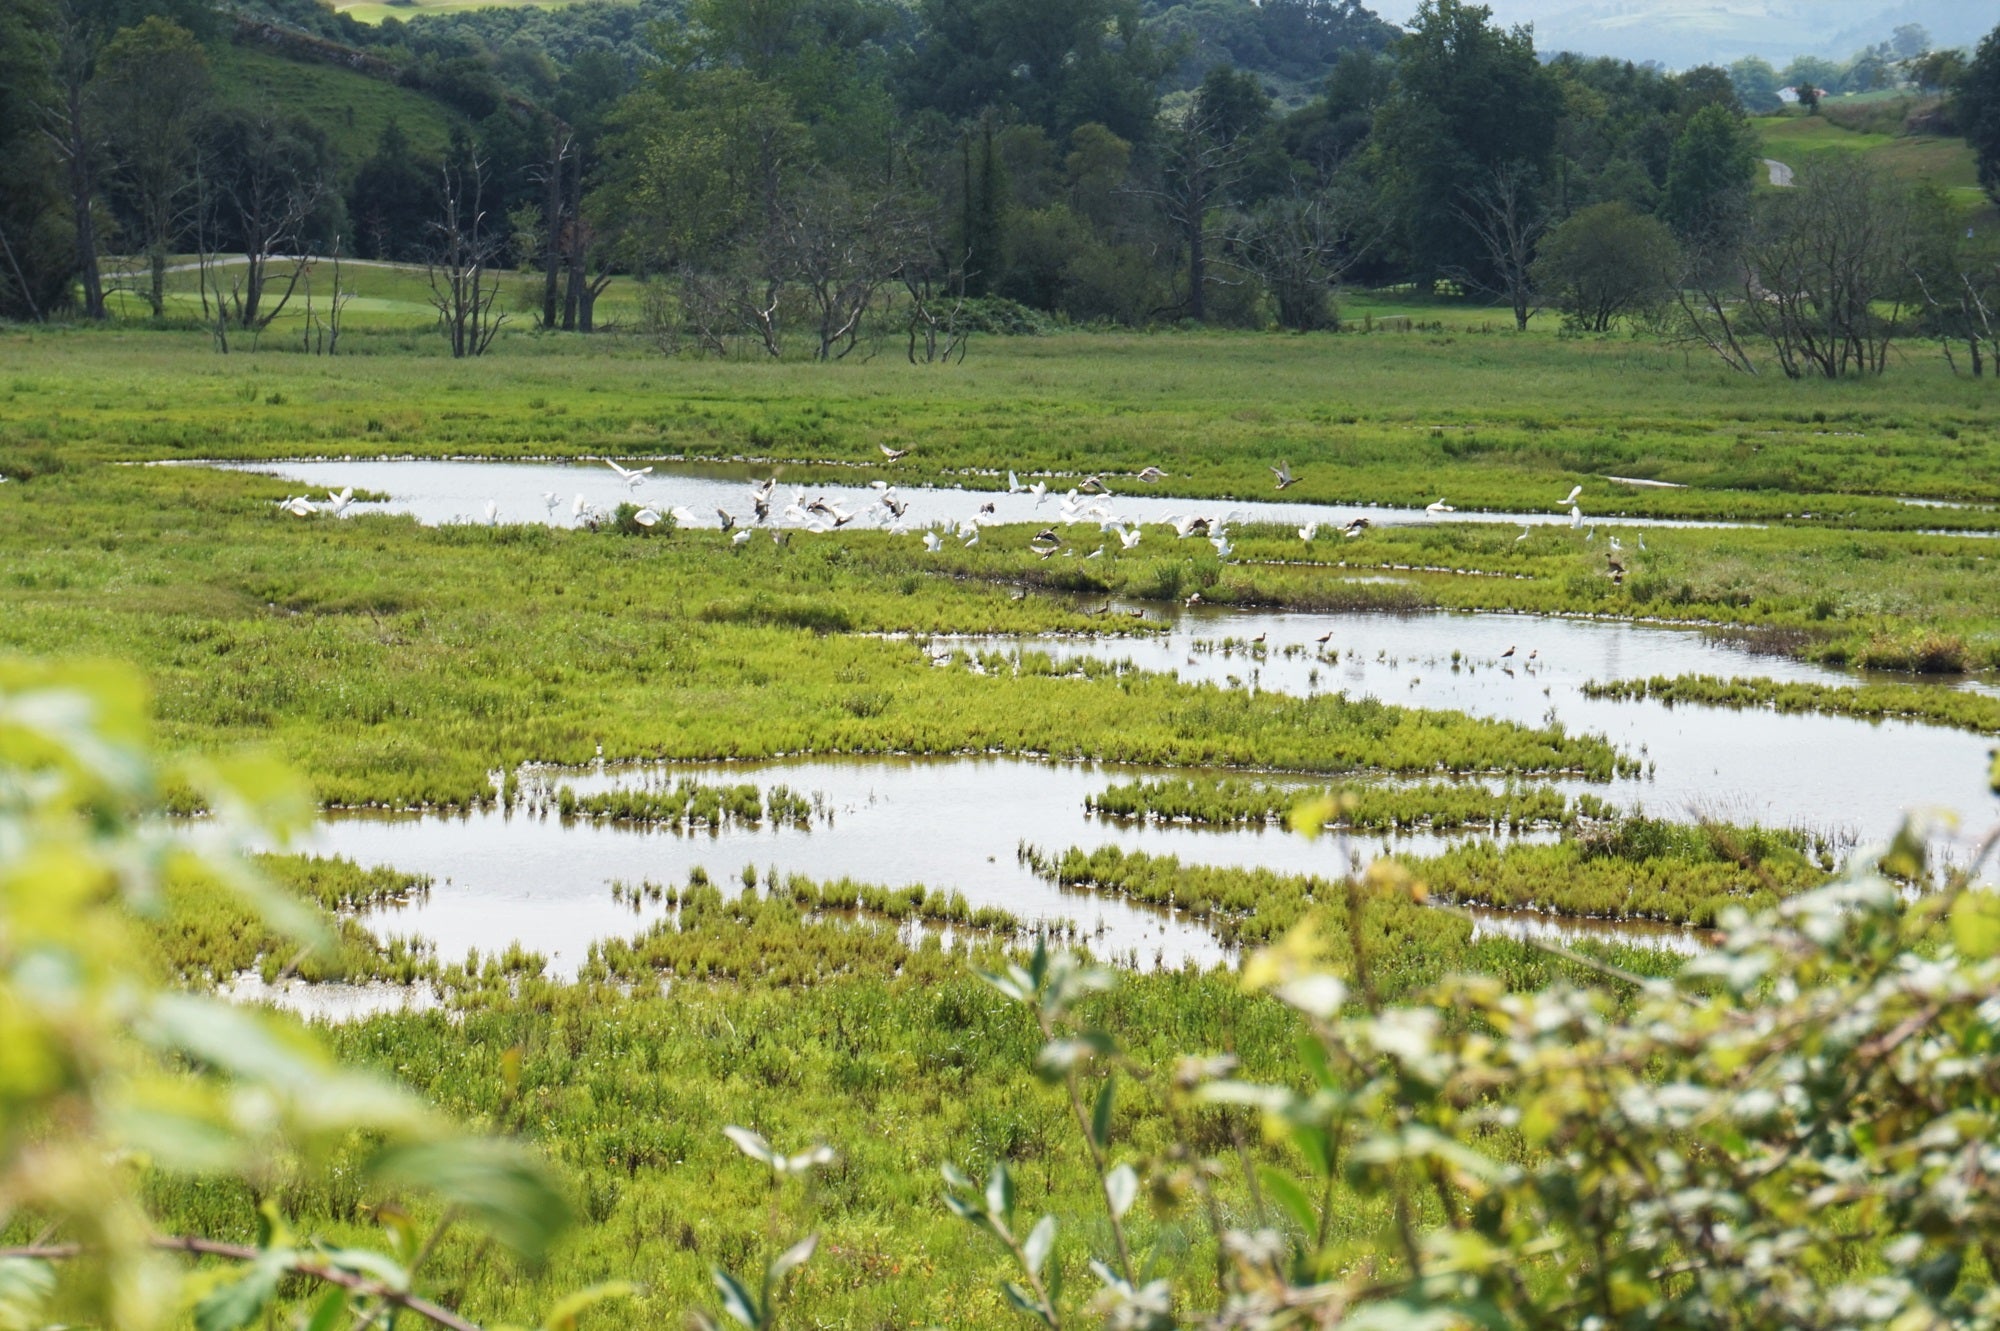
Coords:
pixel 1684 33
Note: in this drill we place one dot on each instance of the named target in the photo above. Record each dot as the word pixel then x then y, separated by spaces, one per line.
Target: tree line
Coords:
pixel 789 173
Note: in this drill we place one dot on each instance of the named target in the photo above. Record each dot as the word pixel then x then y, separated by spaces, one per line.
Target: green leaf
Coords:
pixel 752 1145
pixel 1000 1194
pixel 329 1311
pixel 1975 924
pixel 736 1300
pixel 1285 1191
pixel 1121 1189
pixel 1040 1240
pixel 25 1287
pixel 1100 1119
pixel 1309 817
pixel 497 1182
pixel 1025 1302
pixel 791 1259
pixel 242 1301
pixel 563 1316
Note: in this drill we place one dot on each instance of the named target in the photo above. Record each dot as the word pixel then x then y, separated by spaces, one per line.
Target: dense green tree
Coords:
pixel 1756 84
pixel 272 200
pixel 1604 262
pixel 393 199
pixel 1053 63
pixel 1470 102
pixel 154 94
pixel 37 258
pixel 1714 165
pixel 1979 110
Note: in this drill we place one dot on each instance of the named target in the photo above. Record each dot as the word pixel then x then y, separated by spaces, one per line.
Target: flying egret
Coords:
pixel 1014 485
pixel 298 507
pixel 933 542
pixel 1575 517
pixel 1570 498
pixel 1307 532
pixel 1128 539
pixel 630 477
pixel 1152 476
pixel 549 501
pixel 892 453
pixel 1283 471
pixel 1222 546
pixel 681 517
pixel 1439 507
pixel 646 517
pixel 336 504
pixel 576 509
pixel 1040 490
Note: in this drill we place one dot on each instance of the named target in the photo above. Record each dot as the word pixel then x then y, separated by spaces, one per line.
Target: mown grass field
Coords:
pixel 1947 163
pixel 351 108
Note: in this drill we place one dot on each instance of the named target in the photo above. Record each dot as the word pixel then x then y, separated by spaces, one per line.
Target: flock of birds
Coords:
pixel 1090 501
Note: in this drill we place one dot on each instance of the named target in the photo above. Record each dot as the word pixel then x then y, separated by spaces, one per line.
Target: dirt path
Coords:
pixel 1781 175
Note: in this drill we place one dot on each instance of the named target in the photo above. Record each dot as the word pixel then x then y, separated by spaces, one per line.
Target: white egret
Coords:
pixel 1222 546
pixel 549 501
pixel 298 507
pixel 681 517
pixel 892 453
pixel 1439 507
pixel 630 477
pixel 646 517
pixel 1128 539
pixel 1040 490
pixel 933 542
pixel 1152 476
pixel 336 504
pixel 1524 534
pixel 576 509
pixel 739 538
pixel 492 512
pixel 1307 532
pixel 1575 517
pixel 1570 498
pixel 1094 554
pixel 1014 485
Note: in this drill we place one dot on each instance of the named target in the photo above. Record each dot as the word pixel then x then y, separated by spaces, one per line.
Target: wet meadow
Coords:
pixel 796 788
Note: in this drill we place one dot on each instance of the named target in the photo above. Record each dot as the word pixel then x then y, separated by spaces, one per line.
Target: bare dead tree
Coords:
pixel 1961 309
pixel 20 278
pixel 268 183
pixel 551 175
pixel 708 311
pixel 72 132
pixel 840 247
pixel 1200 167
pixel 1509 221
pixel 1303 244
pixel 464 285
pixel 935 290
pixel 321 334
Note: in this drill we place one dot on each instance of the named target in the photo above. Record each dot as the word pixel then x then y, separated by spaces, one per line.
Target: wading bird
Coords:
pixel 1324 638
pixel 492 513
pixel 1283 471
pixel 336 504
pixel 1307 532
pixel 1575 517
pixel 933 542
pixel 1509 652
pixel 1524 534
pixel 893 454
pixel 1439 507
pixel 549 501
pixel 739 538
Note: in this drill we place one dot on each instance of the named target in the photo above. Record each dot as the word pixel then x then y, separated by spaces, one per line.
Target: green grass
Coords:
pixel 352 108
pixel 374 11
pixel 1948 163
pixel 1977 712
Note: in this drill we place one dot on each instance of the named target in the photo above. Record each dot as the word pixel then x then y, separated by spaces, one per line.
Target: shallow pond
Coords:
pixel 441 491
pixel 955 824
pixel 1824 773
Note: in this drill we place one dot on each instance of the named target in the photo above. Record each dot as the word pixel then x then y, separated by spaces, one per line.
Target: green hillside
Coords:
pixel 1796 139
pixel 353 108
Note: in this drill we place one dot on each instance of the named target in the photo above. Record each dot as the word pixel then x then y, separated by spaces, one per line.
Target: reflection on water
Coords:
pixel 1833 774
pixel 955 824
pixel 436 492
pixel 329 1000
